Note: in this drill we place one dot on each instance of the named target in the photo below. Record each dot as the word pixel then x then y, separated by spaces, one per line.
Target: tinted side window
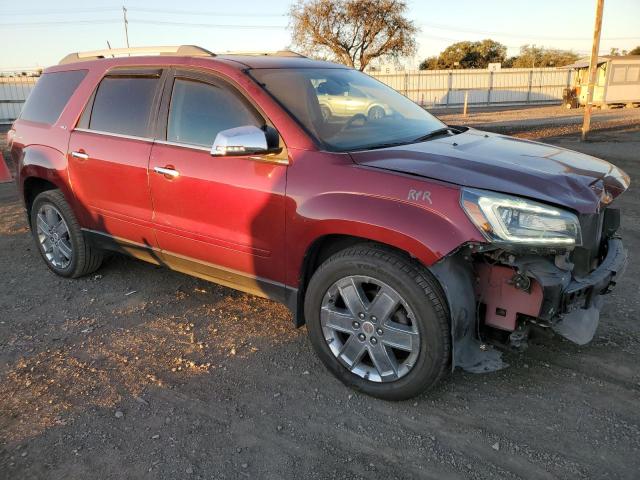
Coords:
pixel 123 105
pixel 199 111
pixel 50 95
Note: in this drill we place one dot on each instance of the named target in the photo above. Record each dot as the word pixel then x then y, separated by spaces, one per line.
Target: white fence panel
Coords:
pixel 434 88
pixel 447 88
pixel 15 87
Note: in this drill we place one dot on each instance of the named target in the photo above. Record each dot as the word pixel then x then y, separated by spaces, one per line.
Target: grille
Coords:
pixel 596 229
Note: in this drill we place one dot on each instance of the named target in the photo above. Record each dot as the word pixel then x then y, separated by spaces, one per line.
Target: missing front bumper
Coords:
pixel 581 301
pixel 570 306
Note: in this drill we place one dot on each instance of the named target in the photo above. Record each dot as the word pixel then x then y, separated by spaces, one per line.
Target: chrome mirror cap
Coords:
pixel 246 140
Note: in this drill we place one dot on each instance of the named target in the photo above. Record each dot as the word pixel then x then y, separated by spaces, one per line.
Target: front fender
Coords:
pixel 424 233
pixel 420 217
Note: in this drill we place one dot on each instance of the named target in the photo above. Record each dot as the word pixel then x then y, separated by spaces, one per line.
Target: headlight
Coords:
pixel 506 219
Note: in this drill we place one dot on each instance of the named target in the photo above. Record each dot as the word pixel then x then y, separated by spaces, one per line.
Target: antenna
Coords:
pixel 126 23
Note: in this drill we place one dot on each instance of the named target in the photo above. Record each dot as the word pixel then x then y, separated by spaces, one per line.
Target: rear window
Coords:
pixel 50 95
pixel 123 105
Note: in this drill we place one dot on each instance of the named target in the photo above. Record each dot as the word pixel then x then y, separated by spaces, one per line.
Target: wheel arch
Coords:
pixel 34 186
pixel 423 232
pixel 324 247
pixel 45 168
pixel 375 105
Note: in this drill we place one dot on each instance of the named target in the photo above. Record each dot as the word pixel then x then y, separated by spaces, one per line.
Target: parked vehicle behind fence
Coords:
pixel 408 247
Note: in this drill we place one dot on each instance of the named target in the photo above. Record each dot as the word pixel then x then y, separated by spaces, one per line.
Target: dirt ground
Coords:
pixel 141 372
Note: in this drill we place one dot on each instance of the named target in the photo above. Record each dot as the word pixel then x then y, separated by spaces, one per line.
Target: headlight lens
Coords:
pixel 506 219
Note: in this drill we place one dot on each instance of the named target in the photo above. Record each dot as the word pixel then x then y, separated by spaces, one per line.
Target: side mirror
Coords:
pixel 246 140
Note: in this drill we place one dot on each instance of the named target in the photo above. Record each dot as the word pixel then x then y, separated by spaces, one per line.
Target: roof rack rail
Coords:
pixel 186 50
pixel 278 53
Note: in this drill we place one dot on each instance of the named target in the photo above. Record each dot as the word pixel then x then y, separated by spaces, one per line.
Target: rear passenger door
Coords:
pixel 109 152
pixel 221 218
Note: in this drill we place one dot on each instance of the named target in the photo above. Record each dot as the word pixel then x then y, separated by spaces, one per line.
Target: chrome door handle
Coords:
pixel 79 155
pixel 170 172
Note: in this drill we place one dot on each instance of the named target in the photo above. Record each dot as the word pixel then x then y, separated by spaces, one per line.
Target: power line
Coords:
pixel 61 12
pixel 515 35
pixel 203 12
pixel 61 23
pixel 146 10
pixel 210 25
pixel 139 21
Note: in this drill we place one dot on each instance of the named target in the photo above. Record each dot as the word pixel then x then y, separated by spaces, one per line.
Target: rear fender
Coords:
pixel 49 164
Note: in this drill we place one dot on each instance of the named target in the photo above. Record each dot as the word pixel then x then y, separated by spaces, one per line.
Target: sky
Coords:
pixel 41 32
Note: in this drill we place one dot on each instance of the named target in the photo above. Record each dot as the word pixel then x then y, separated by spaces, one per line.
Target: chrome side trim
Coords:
pixel 183 145
pixel 227 277
pixel 111 134
pixel 255 158
pixel 267 159
pixel 215 270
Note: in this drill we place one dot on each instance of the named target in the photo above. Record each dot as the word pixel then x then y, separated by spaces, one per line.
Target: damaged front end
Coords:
pixel 500 291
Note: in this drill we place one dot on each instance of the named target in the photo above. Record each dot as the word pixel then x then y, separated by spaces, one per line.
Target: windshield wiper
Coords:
pixel 428 136
pixel 386 145
pixel 436 133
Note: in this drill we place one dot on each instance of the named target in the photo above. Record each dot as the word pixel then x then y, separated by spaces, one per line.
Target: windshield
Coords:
pixel 347 110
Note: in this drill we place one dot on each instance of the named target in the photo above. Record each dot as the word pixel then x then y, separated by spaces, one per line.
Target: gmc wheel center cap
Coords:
pixel 367 327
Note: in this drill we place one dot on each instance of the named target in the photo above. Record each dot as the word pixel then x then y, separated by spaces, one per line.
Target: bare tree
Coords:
pixel 352 32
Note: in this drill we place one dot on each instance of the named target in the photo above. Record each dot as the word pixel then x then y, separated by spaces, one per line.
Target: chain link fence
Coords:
pixel 15 87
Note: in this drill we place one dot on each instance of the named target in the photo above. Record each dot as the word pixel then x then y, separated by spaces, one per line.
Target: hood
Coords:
pixel 508 165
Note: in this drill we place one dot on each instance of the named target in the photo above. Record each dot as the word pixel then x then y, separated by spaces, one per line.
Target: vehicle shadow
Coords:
pixel 130 327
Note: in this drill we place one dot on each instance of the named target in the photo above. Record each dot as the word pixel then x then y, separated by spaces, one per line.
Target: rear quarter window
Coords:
pixel 50 95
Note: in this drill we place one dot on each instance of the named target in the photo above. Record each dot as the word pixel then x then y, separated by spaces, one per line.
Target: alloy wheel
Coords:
pixel 54 237
pixel 370 328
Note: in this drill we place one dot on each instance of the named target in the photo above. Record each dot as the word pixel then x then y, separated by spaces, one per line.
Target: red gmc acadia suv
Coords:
pixel 408 247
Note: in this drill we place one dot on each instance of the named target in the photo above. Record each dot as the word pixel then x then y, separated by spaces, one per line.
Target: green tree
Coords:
pixel 430 63
pixel 635 51
pixel 352 32
pixel 467 55
pixel 616 52
pixel 532 56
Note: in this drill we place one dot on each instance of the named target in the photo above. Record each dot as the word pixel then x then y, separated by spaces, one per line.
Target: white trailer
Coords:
pixel 618 81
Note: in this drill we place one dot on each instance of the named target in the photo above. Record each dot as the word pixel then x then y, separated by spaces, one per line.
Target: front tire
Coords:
pixel 375 113
pixel 379 322
pixel 59 237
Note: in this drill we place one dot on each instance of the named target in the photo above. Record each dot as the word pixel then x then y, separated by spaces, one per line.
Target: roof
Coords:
pixel 279 59
pixel 255 61
pixel 584 62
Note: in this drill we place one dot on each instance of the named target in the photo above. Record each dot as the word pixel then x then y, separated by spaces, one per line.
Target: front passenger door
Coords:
pixel 221 218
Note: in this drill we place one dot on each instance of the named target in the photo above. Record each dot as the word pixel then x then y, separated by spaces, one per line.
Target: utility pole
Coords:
pixel 126 23
pixel 593 69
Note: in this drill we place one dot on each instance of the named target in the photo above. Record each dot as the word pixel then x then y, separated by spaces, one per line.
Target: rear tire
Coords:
pixel 59 238
pixel 397 356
